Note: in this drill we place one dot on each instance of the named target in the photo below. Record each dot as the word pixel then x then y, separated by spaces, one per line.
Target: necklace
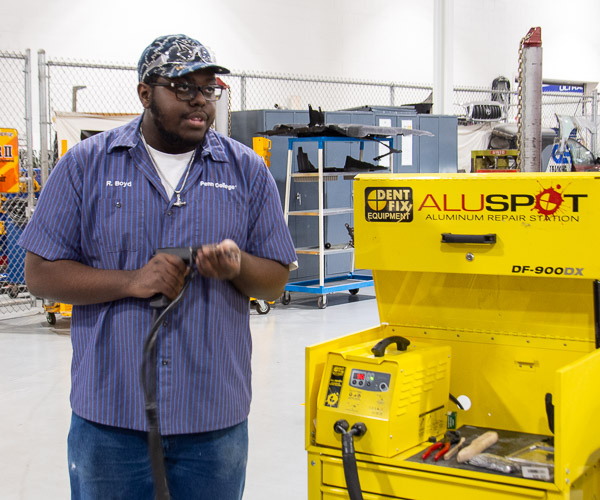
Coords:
pixel 179 202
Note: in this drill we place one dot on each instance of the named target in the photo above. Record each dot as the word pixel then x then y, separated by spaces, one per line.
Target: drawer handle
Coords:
pixel 486 239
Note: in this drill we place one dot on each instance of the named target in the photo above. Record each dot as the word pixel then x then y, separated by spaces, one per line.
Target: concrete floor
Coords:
pixel 34 396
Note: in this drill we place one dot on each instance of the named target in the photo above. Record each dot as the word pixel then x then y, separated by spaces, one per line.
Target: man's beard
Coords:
pixel 171 138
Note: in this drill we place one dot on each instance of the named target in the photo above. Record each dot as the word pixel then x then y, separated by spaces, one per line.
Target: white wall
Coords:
pixel 383 40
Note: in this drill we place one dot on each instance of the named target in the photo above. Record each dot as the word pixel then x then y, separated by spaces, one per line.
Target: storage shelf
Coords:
pixel 327 176
pixel 325 212
pixel 347 282
pixel 322 286
pixel 327 251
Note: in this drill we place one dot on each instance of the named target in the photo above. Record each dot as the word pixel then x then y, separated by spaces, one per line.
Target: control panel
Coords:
pixel 369 381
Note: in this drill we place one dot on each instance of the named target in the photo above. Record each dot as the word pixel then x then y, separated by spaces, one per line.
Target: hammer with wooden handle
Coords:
pixel 479 445
pixel 455 449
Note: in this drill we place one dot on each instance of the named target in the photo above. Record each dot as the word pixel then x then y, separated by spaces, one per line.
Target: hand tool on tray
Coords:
pixel 450 438
pixel 494 462
pixel 454 450
pixel 479 444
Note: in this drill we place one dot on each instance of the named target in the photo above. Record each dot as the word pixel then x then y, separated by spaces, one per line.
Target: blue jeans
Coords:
pixel 113 463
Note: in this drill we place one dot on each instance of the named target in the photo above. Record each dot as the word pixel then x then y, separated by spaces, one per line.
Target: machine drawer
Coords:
pixel 340 494
pixel 396 482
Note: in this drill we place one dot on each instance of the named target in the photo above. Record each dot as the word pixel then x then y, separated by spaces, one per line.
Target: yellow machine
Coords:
pixel 262 147
pixel 493 280
pixel 494 160
pixel 53 308
pixel 399 395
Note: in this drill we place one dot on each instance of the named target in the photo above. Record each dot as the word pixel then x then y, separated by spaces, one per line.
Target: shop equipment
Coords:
pixel 494 160
pixel 498 272
pixel 52 308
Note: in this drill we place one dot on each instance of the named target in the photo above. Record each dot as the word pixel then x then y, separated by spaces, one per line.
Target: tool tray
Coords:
pixel 502 268
pixel 509 443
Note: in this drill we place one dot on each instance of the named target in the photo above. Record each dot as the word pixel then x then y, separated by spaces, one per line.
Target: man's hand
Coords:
pixel 164 273
pixel 221 261
pixel 253 276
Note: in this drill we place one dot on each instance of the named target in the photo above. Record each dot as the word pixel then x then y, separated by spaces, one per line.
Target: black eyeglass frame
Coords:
pixel 192 90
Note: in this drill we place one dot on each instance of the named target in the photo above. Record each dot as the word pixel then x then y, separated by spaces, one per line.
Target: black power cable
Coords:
pixel 149 382
pixel 348 456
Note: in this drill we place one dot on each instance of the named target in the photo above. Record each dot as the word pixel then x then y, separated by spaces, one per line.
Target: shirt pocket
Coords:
pixel 222 216
pixel 119 225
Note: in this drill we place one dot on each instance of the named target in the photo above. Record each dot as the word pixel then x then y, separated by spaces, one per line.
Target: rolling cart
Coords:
pixel 350 281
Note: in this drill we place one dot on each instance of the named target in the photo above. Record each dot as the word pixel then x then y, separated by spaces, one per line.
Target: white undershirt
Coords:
pixel 170 167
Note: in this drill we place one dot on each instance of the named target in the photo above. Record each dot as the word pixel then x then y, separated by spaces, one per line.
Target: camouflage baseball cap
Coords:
pixel 175 55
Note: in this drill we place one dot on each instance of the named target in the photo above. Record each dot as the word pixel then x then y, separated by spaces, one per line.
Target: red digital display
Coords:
pixel 360 376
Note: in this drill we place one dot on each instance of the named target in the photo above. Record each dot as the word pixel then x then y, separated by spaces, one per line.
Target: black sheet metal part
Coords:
pixel 352 165
pixel 342 130
pixel 315 117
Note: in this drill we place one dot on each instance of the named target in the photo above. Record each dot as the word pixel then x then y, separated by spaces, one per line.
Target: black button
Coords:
pixel 165 362
pixel 169 213
pixel 118 204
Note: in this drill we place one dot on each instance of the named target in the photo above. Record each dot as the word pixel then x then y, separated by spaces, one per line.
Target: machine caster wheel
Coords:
pixel 286 298
pixel 51 318
pixel 322 302
pixel 353 291
pixel 262 307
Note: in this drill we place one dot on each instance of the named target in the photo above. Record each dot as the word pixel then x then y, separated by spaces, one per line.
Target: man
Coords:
pixel 164 180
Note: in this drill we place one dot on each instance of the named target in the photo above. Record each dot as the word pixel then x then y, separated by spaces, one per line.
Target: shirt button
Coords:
pixel 165 362
pixel 169 213
pixel 118 204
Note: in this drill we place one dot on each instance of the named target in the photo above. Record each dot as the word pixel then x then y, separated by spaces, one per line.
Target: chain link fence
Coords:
pixel 110 89
pixel 263 91
pixel 17 204
pixel 553 104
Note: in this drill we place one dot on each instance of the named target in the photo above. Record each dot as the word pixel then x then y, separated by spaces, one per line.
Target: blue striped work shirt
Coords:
pixel 104 205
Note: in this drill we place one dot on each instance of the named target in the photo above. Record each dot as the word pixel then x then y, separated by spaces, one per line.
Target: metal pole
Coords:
pixel 44 115
pixel 76 89
pixel 595 120
pixel 443 57
pixel 243 92
pixel 531 130
pixel 29 136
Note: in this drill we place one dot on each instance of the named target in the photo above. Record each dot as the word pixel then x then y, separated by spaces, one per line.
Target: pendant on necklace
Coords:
pixel 179 202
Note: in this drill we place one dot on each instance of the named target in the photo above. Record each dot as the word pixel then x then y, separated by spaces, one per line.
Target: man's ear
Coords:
pixel 145 94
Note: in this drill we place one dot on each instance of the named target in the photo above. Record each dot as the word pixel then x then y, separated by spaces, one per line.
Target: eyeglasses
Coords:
pixel 186 92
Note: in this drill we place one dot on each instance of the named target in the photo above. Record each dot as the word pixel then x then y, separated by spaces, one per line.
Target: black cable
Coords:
pixel 350 469
pixel 149 386
pixel 597 312
pixel 348 456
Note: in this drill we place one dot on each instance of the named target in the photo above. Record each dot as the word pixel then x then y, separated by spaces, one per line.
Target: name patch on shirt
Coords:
pixel 219 185
pixel 119 183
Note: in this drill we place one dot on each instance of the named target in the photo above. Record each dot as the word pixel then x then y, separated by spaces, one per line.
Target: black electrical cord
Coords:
pixel 597 312
pixel 148 378
pixel 348 456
